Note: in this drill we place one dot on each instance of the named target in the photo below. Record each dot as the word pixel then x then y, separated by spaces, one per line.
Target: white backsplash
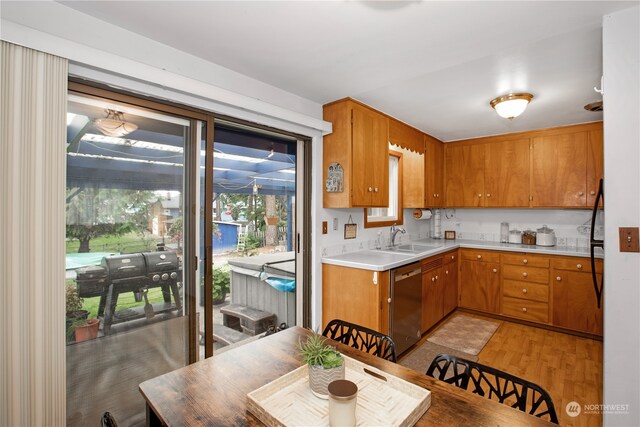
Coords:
pixel 472 224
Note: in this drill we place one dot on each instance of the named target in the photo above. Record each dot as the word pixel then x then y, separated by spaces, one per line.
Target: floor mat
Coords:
pixel 465 334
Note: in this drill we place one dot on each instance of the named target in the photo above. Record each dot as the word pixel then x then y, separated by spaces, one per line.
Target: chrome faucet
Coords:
pixel 392 234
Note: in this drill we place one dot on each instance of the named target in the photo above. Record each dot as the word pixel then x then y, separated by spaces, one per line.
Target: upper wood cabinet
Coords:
pixel 434 171
pixel 359 144
pixel 559 167
pixel 404 135
pixel 464 174
pixel 413 181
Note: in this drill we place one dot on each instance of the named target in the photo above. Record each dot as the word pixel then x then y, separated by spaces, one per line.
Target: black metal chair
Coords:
pixel 494 384
pixel 107 420
pixel 361 338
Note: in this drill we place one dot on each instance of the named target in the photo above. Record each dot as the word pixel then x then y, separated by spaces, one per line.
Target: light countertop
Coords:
pixel 381 260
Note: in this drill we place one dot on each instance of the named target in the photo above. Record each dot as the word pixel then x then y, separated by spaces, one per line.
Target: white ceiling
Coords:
pixel 434 65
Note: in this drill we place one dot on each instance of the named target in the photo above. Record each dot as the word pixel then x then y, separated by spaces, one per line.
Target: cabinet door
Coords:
pixel 595 154
pixel 480 286
pixel 376 162
pixel 574 302
pixel 363 142
pixel 559 170
pixel 434 162
pixel 413 181
pixel 343 285
pixel 450 285
pixel 432 298
pixel 506 174
pixel 464 175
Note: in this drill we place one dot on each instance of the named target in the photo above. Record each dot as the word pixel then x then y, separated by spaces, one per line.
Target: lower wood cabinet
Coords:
pixel 432 292
pixel 351 294
pixel 574 298
pixel 525 286
pixel 480 280
pixel 450 282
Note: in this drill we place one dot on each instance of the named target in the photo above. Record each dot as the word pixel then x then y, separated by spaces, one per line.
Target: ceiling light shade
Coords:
pixel 114 124
pixel 512 105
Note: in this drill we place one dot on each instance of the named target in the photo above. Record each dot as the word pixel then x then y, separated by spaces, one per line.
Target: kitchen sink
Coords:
pixel 411 248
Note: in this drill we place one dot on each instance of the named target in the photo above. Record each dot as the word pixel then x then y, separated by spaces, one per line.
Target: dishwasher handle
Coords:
pixel 403 276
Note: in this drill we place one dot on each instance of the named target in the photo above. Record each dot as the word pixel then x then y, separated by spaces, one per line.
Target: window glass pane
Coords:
pixel 124 246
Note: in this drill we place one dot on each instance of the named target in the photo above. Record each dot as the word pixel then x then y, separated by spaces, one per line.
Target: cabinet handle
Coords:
pixel 446 272
pixel 525 274
pixel 524 309
pixel 593 193
pixel 495 270
pixel 433 279
pixel 370 189
pixel 436 277
pixel 375 189
pixel 525 261
pixel 558 278
pixel 479 195
pixel 389 300
pixel 453 257
pixel 438 195
pixel 579 266
pixel 488 194
pixel 524 291
pixel 580 193
pixel 479 256
pixel 435 195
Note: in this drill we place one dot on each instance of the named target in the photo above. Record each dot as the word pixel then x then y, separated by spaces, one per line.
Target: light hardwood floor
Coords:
pixel 567 366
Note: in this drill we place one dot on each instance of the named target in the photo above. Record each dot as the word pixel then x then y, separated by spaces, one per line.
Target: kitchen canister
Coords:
pixel 546 236
pixel 343 396
pixel 528 237
pixel 515 236
pixel 504 232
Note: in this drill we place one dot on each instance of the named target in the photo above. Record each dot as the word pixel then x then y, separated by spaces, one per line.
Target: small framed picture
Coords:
pixel 449 235
pixel 350 231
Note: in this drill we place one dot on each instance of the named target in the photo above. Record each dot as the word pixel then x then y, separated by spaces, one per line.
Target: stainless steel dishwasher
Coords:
pixel 405 310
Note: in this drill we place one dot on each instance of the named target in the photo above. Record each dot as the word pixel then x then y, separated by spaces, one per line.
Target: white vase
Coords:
pixel 320 378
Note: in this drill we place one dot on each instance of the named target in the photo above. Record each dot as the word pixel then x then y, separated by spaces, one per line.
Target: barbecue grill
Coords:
pixel 135 273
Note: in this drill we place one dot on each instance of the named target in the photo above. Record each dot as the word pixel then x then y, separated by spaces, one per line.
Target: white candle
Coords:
pixel 342 403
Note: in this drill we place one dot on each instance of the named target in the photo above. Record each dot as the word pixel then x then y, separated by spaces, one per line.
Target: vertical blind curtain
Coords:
pixel 32 237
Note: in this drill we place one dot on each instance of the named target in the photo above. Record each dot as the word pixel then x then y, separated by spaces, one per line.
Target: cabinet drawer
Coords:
pixel 526 273
pixel 525 290
pixel 479 255
pixel 575 264
pixel 524 309
pixel 450 257
pixel 525 259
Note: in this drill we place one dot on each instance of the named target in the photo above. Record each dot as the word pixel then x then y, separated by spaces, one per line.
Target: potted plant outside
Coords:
pixel 84 330
pixel 325 363
pixel 74 311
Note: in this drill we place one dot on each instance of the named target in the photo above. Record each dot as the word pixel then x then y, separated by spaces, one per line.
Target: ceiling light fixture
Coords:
pixel 114 125
pixel 511 105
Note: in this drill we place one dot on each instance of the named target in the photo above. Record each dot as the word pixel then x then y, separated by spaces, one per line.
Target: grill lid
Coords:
pixel 124 266
pixel 161 261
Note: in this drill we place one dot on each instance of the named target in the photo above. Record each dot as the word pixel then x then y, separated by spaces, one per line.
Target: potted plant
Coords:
pixel 325 363
pixel 221 284
pixel 84 329
pixel 74 309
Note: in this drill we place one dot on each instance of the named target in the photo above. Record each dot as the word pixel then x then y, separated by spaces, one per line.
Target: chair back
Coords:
pixel 361 338
pixel 107 420
pixel 494 384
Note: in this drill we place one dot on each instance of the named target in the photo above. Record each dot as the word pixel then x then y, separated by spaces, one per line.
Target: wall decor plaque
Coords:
pixel 334 178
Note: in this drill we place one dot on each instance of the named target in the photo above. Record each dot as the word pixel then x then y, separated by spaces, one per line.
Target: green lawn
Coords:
pixel 126 300
pixel 127 243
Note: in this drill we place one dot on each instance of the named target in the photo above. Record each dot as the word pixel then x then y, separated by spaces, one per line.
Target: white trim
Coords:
pixel 95 64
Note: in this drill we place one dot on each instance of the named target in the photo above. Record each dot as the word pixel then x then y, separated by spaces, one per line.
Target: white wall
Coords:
pixel 621 56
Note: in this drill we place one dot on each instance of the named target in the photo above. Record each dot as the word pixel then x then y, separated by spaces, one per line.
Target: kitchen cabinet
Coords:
pixel 464 175
pixel 432 292
pixel 574 299
pixel 403 135
pixel 413 181
pixel 595 162
pixel 567 166
pixel 487 174
pixel 356 295
pixel 525 286
pixel 450 276
pixel 506 174
pixel 359 144
pixel 434 171
pixel 480 280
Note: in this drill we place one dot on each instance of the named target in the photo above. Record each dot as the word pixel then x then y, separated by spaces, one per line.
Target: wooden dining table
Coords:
pixel 213 392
